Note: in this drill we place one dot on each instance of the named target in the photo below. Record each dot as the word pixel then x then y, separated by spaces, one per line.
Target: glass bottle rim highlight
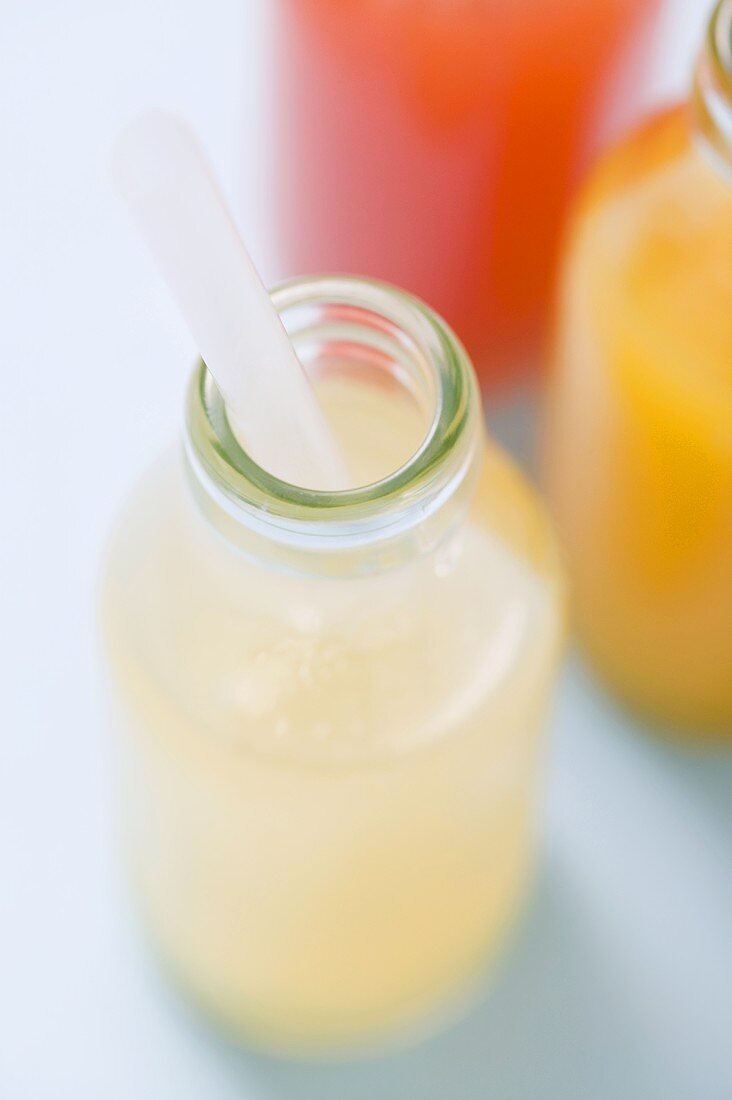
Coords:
pixel 419 349
pixel 712 92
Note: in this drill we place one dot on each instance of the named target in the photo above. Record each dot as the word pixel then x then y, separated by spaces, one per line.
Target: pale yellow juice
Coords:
pixel 328 784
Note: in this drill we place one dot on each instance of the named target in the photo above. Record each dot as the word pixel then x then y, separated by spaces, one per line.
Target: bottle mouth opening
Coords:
pixel 377 327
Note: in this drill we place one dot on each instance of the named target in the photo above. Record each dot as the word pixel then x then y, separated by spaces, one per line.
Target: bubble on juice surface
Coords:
pixel 448 555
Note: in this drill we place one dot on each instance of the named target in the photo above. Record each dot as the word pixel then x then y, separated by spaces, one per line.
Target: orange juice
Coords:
pixel 435 144
pixel 640 433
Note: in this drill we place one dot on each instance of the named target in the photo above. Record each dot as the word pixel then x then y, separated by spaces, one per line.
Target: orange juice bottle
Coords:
pixel 640 426
pixel 436 143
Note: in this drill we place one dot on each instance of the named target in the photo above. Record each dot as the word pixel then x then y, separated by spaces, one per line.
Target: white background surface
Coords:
pixel 619 984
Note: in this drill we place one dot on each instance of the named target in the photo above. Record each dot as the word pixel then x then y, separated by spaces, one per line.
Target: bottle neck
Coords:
pixel 348 325
pixel 712 95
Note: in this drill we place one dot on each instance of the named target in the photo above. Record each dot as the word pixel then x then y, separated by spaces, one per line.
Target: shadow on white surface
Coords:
pixel 551 1025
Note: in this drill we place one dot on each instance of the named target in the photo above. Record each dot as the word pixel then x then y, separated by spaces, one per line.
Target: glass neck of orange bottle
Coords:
pixel 712 95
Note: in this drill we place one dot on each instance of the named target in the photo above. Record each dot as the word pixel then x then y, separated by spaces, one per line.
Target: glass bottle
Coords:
pixel 329 704
pixel 639 454
pixel 436 145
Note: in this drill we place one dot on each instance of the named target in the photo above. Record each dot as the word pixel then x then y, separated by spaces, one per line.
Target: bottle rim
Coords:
pixel 424 351
pixel 712 95
pixel 719 40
